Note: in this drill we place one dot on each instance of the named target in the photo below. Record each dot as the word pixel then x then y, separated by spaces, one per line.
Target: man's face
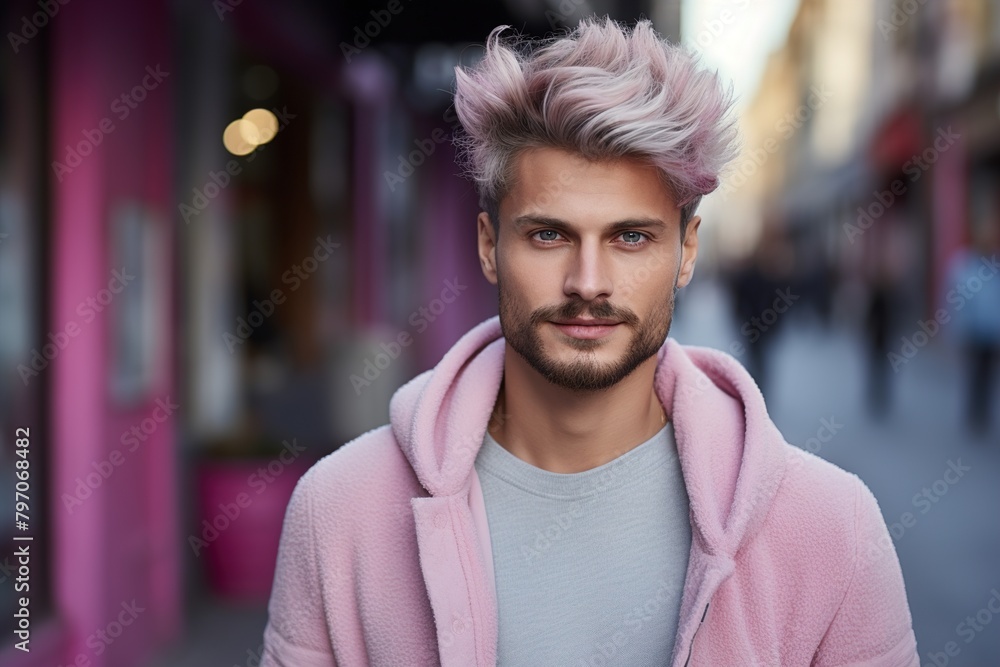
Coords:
pixel 586 240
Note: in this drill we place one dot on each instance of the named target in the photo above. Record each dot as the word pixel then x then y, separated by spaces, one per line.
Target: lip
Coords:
pixel 586 331
pixel 591 322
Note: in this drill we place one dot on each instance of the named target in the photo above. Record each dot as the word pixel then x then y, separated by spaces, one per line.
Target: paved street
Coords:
pixel 950 551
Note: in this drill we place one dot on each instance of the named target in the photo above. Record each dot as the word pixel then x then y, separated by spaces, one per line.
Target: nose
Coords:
pixel 588 275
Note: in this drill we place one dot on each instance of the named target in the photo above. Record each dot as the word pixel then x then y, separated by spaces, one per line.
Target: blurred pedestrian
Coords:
pixel 878 322
pixel 755 286
pixel 974 279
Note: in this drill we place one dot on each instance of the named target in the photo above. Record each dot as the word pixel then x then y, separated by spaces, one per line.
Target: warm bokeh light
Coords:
pixel 257 127
pixel 237 137
pixel 265 126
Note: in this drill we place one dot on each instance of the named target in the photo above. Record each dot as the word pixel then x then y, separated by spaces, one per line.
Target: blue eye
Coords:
pixel 638 241
pixel 546 231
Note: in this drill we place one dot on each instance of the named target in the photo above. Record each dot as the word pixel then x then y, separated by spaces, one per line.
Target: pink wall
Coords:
pixel 122 543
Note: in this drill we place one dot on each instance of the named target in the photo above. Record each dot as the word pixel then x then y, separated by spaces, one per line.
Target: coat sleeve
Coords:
pixel 873 626
pixel 296 635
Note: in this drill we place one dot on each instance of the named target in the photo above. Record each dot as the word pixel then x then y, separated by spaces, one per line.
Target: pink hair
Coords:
pixel 602 91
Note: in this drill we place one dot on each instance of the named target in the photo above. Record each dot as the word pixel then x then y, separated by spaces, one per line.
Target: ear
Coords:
pixel 689 252
pixel 487 247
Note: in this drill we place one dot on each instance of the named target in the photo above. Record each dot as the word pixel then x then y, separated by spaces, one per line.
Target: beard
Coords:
pixel 585 374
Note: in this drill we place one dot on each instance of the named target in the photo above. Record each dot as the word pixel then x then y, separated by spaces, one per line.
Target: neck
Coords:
pixel 566 431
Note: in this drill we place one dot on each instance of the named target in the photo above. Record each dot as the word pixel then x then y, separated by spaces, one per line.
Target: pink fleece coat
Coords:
pixel 385 555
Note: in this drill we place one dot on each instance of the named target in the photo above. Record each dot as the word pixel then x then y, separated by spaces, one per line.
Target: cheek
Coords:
pixel 529 272
pixel 649 281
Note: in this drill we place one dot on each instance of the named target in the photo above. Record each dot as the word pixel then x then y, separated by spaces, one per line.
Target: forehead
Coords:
pixel 559 183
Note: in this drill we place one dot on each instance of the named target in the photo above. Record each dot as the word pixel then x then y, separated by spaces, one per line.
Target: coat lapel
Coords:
pixel 456 580
pixel 705 574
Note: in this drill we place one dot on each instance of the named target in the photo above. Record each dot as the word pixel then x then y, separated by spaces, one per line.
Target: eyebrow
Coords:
pixel 620 225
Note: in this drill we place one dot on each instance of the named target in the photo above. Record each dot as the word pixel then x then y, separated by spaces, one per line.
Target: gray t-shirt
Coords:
pixel 589 566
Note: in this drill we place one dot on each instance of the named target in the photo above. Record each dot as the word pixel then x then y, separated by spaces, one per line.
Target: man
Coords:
pixel 568 486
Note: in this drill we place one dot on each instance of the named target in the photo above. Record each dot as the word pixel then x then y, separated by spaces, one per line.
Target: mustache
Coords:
pixel 603 310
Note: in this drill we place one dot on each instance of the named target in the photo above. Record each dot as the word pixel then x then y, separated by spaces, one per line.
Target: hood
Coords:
pixel 732 455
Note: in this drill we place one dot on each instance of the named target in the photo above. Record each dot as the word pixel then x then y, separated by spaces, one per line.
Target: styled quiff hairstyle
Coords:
pixel 601 91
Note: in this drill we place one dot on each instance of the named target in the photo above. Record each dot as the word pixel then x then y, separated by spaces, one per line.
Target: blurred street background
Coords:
pixel 231 229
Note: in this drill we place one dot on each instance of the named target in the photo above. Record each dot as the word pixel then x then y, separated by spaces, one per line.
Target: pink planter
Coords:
pixel 241 506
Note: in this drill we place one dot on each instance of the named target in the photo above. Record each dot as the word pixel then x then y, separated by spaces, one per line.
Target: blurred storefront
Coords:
pixel 88 166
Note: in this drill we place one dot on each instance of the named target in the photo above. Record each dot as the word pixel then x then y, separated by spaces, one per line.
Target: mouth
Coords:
pixel 587 329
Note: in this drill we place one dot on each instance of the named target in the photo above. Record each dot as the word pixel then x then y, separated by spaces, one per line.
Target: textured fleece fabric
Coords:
pixel 589 566
pixel 385 555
